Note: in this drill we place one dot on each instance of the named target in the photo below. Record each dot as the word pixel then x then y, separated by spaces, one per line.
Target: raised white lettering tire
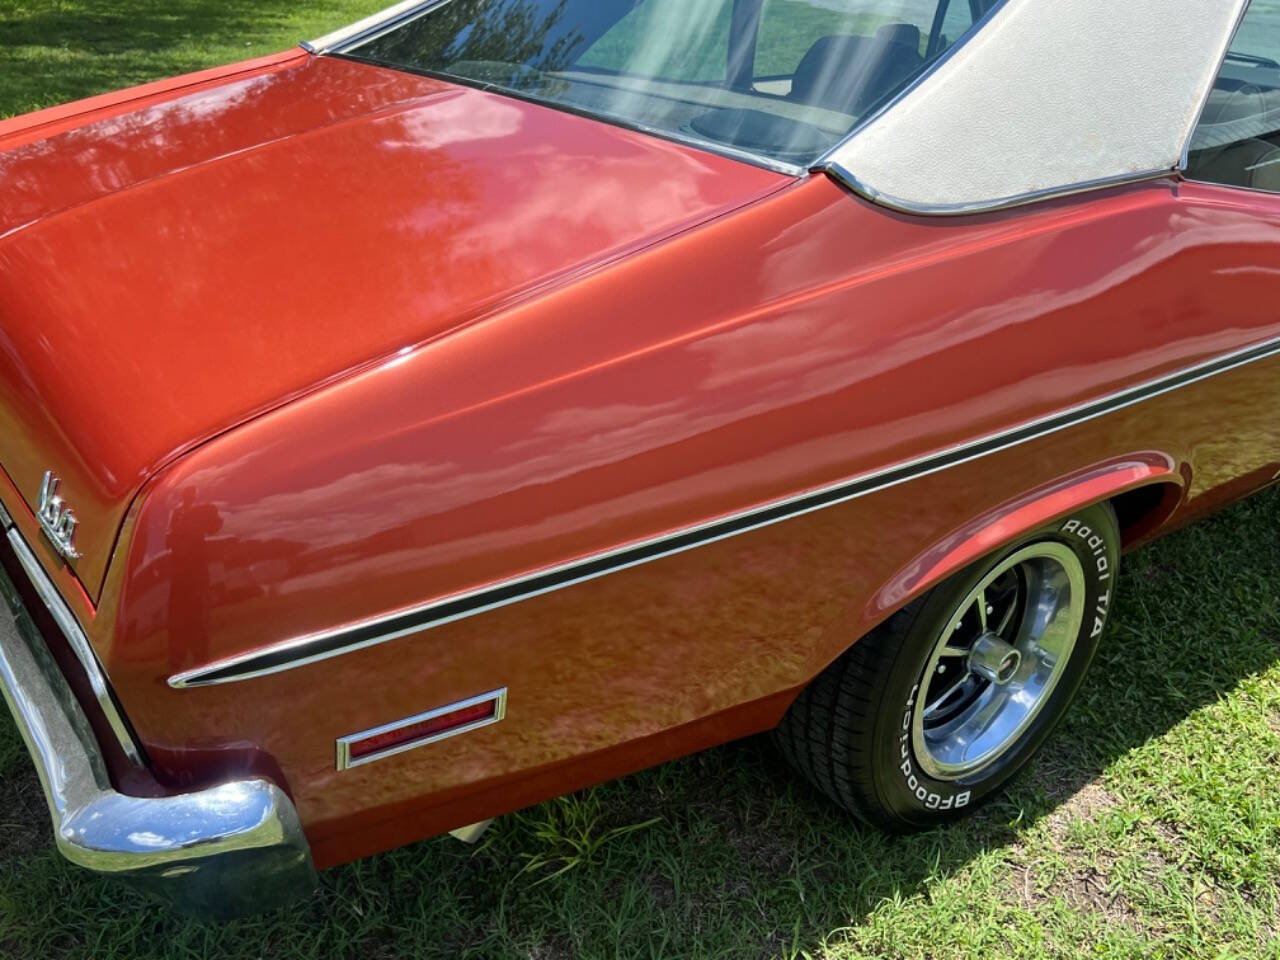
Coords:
pixel 934 710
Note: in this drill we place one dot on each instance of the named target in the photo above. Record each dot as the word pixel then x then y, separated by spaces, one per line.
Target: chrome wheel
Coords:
pixel 998 660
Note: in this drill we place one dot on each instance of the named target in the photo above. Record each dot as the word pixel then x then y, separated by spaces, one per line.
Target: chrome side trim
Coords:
pixel 312 648
pixel 497 697
pixel 76 638
pixel 842 175
pixel 234 848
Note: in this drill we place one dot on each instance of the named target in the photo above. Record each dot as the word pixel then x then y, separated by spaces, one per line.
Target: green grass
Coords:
pixel 57 50
pixel 1150 827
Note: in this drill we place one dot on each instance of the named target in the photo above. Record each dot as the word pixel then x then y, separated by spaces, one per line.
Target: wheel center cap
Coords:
pixel 993 659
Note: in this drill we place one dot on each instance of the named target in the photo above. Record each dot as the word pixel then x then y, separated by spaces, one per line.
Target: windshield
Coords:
pixel 782 80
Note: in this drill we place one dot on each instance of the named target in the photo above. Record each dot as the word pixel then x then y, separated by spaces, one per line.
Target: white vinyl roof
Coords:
pixel 1048 97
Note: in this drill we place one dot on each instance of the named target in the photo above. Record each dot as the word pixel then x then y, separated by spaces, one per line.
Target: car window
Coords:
pixel 784 80
pixel 790 30
pixel 957 17
pixel 1237 141
pixel 667 39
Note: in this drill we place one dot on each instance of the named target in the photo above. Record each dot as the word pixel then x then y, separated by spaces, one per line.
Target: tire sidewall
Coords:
pixel 903 788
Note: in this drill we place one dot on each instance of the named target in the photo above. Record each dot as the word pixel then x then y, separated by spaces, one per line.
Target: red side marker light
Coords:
pixel 420 729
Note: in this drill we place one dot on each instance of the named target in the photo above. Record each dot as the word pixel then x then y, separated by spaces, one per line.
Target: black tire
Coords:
pixel 851 732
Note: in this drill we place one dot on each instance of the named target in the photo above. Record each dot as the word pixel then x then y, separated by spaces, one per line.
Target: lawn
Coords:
pixel 57 50
pixel 1150 827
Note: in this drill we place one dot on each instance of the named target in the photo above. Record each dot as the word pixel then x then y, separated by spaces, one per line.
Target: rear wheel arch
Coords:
pixel 1143 489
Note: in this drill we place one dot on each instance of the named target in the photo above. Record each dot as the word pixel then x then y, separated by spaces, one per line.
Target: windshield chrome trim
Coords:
pixel 315 647
pixel 842 175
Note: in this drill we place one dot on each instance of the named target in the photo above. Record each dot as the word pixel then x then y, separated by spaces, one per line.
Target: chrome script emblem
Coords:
pixel 56 519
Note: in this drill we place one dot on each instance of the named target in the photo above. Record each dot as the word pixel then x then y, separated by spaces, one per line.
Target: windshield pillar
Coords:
pixel 744 29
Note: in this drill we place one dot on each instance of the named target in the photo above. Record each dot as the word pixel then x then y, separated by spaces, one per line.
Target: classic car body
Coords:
pixel 344 409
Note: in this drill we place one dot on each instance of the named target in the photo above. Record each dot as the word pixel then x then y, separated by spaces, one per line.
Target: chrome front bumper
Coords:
pixel 231 849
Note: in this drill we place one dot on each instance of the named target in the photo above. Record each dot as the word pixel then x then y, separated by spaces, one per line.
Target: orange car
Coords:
pixel 499 396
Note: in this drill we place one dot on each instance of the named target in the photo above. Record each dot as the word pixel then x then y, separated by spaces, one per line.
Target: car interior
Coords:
pixel 839 79
pixel 1238 139
pixel 786 79
pixel 799 114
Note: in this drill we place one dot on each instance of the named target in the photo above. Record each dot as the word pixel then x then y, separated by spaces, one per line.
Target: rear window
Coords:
pixel 667 40
pixel 1237 141
pixel 782 80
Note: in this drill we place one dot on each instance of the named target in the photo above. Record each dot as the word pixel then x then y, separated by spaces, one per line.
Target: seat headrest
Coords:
pixel 843 71
pixel 904 33
pixel 829 59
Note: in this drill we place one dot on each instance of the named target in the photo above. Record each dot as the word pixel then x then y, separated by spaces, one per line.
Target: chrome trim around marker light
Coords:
pixel 498 698
pixel 313 648
pixel 234 848
pixel 75 637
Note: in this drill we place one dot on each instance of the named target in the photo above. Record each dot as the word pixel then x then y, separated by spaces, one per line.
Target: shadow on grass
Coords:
pixel 745 861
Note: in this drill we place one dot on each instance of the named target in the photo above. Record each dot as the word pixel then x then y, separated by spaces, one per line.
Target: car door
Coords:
pixel 1231 191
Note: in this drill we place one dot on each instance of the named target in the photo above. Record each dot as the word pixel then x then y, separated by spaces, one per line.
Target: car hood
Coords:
pixel 169 271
